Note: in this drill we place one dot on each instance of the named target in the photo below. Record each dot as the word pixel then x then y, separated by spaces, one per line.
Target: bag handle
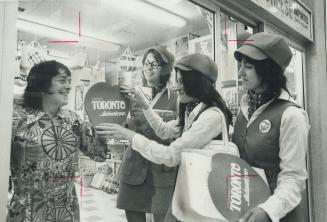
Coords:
pixel 224 131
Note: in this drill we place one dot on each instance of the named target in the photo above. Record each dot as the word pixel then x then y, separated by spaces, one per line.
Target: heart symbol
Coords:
pixel 105 104
pixel 234 186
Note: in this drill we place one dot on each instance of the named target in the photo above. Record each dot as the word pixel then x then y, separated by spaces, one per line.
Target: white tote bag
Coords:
pixel 192 201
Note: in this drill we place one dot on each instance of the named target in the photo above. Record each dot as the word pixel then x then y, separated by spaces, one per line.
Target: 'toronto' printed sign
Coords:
pixel 105 104
pixel 235 187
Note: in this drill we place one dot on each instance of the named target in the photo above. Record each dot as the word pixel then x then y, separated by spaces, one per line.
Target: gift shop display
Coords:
pixel 32 53
pixel 127 66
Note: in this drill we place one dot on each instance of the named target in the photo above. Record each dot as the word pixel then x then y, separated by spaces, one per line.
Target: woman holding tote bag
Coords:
pixel 271 131
pixel 200 115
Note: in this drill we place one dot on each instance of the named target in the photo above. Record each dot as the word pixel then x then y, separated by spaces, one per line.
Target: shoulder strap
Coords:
pixel 203 108
pixel 218 137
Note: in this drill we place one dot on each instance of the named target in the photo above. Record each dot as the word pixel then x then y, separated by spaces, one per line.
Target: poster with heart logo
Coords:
pixel 234 186
pixel 105 104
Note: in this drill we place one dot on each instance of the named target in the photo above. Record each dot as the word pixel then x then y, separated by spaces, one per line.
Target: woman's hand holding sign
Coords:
pixel 135 95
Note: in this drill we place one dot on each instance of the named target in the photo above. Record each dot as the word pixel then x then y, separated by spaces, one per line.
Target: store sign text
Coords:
pixel 100 104
pixel 237 191
pixel 289 11
pixel 110 107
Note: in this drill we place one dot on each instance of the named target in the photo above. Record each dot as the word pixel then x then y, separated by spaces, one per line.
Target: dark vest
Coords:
pixel 135 169
pixel 261 149
pixel 204 108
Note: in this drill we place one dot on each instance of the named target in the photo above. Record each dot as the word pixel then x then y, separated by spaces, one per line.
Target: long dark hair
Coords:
pixel 270 74
pixel 39 81
pixel 165 72
pixel 200 87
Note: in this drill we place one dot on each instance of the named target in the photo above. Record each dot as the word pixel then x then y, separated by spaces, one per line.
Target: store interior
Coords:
pixel 101 40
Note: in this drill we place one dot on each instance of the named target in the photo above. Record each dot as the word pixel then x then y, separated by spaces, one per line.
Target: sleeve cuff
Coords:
pixel 273 208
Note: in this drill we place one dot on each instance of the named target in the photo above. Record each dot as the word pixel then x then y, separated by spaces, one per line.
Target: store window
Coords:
pixel 233 34
pixel 294 74
pixel 295 71
pixel 101 41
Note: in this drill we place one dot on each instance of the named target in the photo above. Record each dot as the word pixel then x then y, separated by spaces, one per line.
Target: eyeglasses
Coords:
pixel 154 64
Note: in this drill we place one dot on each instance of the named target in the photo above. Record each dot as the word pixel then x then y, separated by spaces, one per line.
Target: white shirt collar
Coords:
pixel 244 105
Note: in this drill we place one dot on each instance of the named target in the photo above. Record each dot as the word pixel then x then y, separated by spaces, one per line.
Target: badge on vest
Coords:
pixel 265 126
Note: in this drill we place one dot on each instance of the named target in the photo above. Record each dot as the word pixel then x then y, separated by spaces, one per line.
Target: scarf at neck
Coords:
pixel 190 107
pixel 256 100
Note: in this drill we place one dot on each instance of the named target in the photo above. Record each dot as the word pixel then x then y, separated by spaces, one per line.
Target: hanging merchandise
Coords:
pixel 86 72
pixel 32 54
pixel 79 59
pixel 127 65
pixel 138 62
pixel 98 71
pixel 102 74
pixel 127 60
pixel 96 67
pixel 20 74
pixel 208 17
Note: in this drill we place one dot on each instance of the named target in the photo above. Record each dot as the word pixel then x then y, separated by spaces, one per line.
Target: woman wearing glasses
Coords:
pixel 146 186
pixel 201 112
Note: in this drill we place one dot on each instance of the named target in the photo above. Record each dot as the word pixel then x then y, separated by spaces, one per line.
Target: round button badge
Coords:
pixel 265 126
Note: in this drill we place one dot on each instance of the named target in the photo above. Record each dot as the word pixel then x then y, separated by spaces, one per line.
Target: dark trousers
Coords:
pixel 135 216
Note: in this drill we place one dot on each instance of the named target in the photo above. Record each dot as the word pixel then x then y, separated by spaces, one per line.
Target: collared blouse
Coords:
pixel 44 160
pixel 293 143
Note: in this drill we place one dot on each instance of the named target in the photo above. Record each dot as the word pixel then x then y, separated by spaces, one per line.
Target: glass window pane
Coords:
pixel 294 74
pixel 233 33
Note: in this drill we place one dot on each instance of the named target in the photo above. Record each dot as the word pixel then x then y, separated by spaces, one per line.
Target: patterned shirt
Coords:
pixel 44 160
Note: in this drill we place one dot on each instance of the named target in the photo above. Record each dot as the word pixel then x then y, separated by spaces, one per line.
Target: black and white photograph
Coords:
pixel 163 110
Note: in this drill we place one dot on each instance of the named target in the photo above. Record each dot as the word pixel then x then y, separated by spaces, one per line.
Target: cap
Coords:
pixel 201 63
pixel 261 46
pixel 166 56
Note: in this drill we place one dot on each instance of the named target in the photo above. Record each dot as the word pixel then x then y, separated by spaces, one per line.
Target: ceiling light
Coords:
pixel 146 10
pixel 61 35
pixel 165 2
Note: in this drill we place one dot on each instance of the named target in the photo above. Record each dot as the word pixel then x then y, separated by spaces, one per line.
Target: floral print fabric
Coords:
pixel 44 160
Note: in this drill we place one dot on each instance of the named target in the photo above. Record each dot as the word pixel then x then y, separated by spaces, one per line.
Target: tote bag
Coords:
pixel 191 199
pixel 205 185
